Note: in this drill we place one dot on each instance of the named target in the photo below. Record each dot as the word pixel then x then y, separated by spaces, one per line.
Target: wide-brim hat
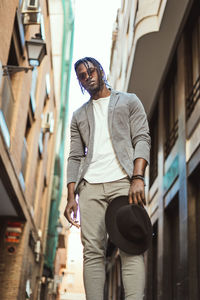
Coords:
pixel 128 225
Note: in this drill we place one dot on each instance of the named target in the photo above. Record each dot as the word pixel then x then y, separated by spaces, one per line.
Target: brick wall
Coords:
pixel 34 201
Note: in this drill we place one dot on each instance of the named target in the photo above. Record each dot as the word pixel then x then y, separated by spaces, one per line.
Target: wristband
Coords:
pixel 138 177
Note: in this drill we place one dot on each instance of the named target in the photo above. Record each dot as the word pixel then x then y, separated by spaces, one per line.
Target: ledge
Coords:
pixel 152 50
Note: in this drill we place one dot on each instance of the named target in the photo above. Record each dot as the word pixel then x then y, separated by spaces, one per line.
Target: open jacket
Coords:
pixel 128 128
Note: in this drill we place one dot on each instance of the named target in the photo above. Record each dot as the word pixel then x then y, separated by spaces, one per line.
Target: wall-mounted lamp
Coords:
pixel 36 50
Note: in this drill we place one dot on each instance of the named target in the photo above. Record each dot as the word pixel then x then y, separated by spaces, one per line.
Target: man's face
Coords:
pixel 88 78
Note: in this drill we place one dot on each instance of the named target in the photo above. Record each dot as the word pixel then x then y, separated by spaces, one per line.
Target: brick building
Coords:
pixel 28 114
pixel 62 21
pixel 156 48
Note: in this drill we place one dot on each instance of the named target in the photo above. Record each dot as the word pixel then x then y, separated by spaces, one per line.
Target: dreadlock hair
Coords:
pixel 100 70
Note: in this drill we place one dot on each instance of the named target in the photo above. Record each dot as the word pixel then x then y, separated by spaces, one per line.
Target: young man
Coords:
pixel 109 152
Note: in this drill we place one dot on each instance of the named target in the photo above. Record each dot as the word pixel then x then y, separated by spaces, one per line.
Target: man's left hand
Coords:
pixel 136 192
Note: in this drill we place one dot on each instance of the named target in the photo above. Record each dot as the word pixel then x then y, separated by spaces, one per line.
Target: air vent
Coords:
pixel 32 4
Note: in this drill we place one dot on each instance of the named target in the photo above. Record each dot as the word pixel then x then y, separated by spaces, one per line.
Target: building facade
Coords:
pixel 28 117
pixel 55 267
pixel 156 48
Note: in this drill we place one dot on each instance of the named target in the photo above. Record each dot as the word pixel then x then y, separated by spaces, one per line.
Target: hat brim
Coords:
pixel 114 234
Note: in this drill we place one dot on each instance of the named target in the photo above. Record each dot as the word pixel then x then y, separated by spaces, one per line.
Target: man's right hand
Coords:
pixel 72 206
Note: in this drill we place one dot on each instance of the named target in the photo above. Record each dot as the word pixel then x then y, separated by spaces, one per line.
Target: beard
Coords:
pixel 93 89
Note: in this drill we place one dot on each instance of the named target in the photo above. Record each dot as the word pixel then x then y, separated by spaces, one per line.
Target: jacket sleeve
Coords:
pixel 141 140
pixel 76 152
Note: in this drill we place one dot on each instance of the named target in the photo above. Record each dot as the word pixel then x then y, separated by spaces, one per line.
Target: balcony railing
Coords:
pixel 153 170
pixel 193 98
pixel 171 139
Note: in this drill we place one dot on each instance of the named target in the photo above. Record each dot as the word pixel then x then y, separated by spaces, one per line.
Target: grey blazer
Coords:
pixel 128 129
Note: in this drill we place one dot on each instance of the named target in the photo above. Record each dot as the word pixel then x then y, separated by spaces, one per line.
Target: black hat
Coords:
pixel 128 226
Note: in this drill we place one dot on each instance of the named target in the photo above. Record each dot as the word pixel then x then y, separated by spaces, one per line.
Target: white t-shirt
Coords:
pixel 104 166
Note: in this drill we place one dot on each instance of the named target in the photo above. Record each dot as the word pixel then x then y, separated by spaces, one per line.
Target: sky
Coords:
pixel 94 21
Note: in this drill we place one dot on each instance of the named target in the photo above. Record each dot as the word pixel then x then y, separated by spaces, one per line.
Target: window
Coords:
pixel 33 90
pixel 170 108
pixel 6 100
pixel 192 46
pixel 41 143
pixel 24 158
pixel 48 85
pixel 194 231
pixel 19 31
pixel 151 293
pixel 6 108
pixel 24 155
pixel 171 250
pixel 17 41
pixel 6 93
pixel 47 88
pixel 29 122
pixel 12 57
pixel 153 126
pixel 36 180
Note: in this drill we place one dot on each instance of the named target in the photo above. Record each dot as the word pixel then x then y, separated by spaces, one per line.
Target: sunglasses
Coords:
pixel 83 76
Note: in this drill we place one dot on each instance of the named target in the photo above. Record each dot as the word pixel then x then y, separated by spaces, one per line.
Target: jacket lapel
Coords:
pixel 113 100
pixel 90 116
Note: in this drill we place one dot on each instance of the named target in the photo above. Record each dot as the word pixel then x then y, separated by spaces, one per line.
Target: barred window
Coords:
pixel 170 108
pixel 192 54
pixel 153 126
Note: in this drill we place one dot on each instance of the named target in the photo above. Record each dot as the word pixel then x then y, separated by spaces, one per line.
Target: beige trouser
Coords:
pixel 93 201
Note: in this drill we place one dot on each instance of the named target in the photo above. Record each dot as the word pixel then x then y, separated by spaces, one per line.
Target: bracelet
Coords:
pixel 138 177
